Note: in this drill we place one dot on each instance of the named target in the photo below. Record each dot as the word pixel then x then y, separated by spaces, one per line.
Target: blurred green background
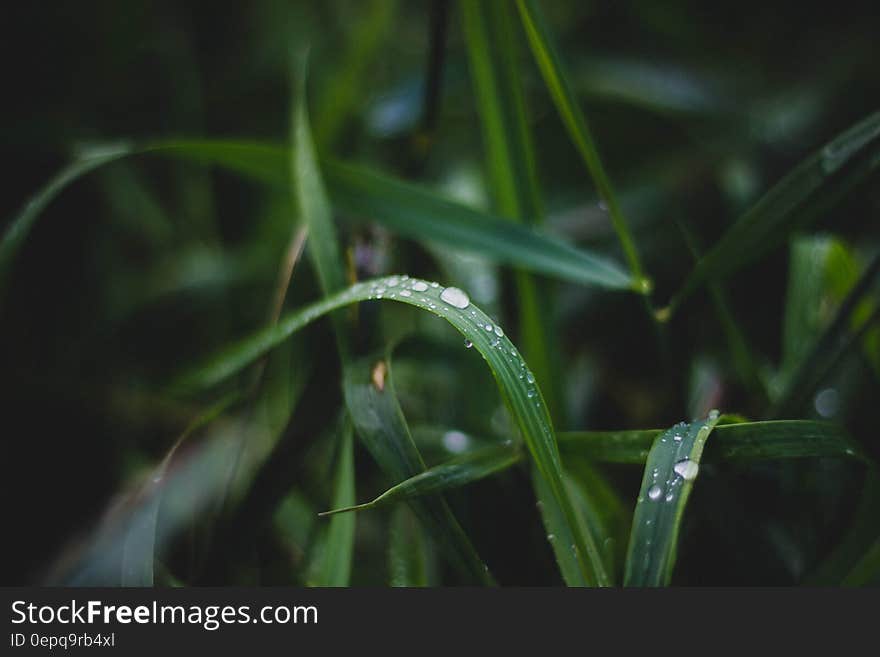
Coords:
pixel 148 264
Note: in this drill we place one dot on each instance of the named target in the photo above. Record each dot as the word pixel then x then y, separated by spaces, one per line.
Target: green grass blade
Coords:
pixel 748 441
pixel 814 184
pixel 20 226
pixel 510 161
pixel 454 473
pixel 409 559
pixel 336 561
pixel 323 248
pixel 672 466
pixel 414 212
pixel 550 63
pixel 383 430
pixel 803 378
pixel 514 380
pixel 410 210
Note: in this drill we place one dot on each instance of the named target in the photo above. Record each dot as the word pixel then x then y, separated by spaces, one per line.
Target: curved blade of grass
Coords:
pixel 511 165
pixel 408 554
pixel 454 473
pixel 410 210
pixel 20 226
pixel 814 184
pixel 748 441
pixel 550 63
pixel 382 428
pixel 339 547
pixel 672 466
pixel 514 381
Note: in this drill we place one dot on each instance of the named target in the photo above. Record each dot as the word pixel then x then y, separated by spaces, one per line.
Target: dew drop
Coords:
pixel 419 286
pixel 498 331
pixel 654 492
pixel 488 327
pixel 393 281
pixel 468 344
pixel 687 469
pixel 531 392
pixel 669 497
pixel 435 284
pixel 677 438
pixel 530 377
pixel 455 297
pixel 551 537
pixel 405 293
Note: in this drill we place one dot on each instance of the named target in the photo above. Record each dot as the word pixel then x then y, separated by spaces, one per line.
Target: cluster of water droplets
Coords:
pixel 685 469
pixel 429 294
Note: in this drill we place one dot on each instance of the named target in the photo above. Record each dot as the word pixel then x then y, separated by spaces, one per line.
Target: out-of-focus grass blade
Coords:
pixel 381 426
pixel 866 572
pixel 408 554
pixel 550 63
pixel 339 547
pixel 748 441
pixel 672 467
pixel 515 381
pixel 414 212
pixel 323 248
pixel 815 183
pixel 408 209
pixel 510 161
pixel 602 511
pixel 454 473
pixel 20 226
pixel 830 346
pixel 139 545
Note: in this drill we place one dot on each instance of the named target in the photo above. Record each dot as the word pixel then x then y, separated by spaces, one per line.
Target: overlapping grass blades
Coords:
pixel 410 210
pixel 454 473
pixel 515 381
pixel 745 441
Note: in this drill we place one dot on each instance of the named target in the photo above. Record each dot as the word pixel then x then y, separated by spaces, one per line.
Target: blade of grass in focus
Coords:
pixel 670 471
pixel 515 382
pixel 816 183
pixel 454 473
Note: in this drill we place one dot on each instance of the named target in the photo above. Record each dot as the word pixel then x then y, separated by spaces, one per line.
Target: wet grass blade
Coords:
pixel 813 185
pixel 510 161
pixel 748 441
pixel 557 80
pixel 454 473
pixel 410 210
pixel 382 428
pixel 672 467
pixel 515 382
pixel 336 561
